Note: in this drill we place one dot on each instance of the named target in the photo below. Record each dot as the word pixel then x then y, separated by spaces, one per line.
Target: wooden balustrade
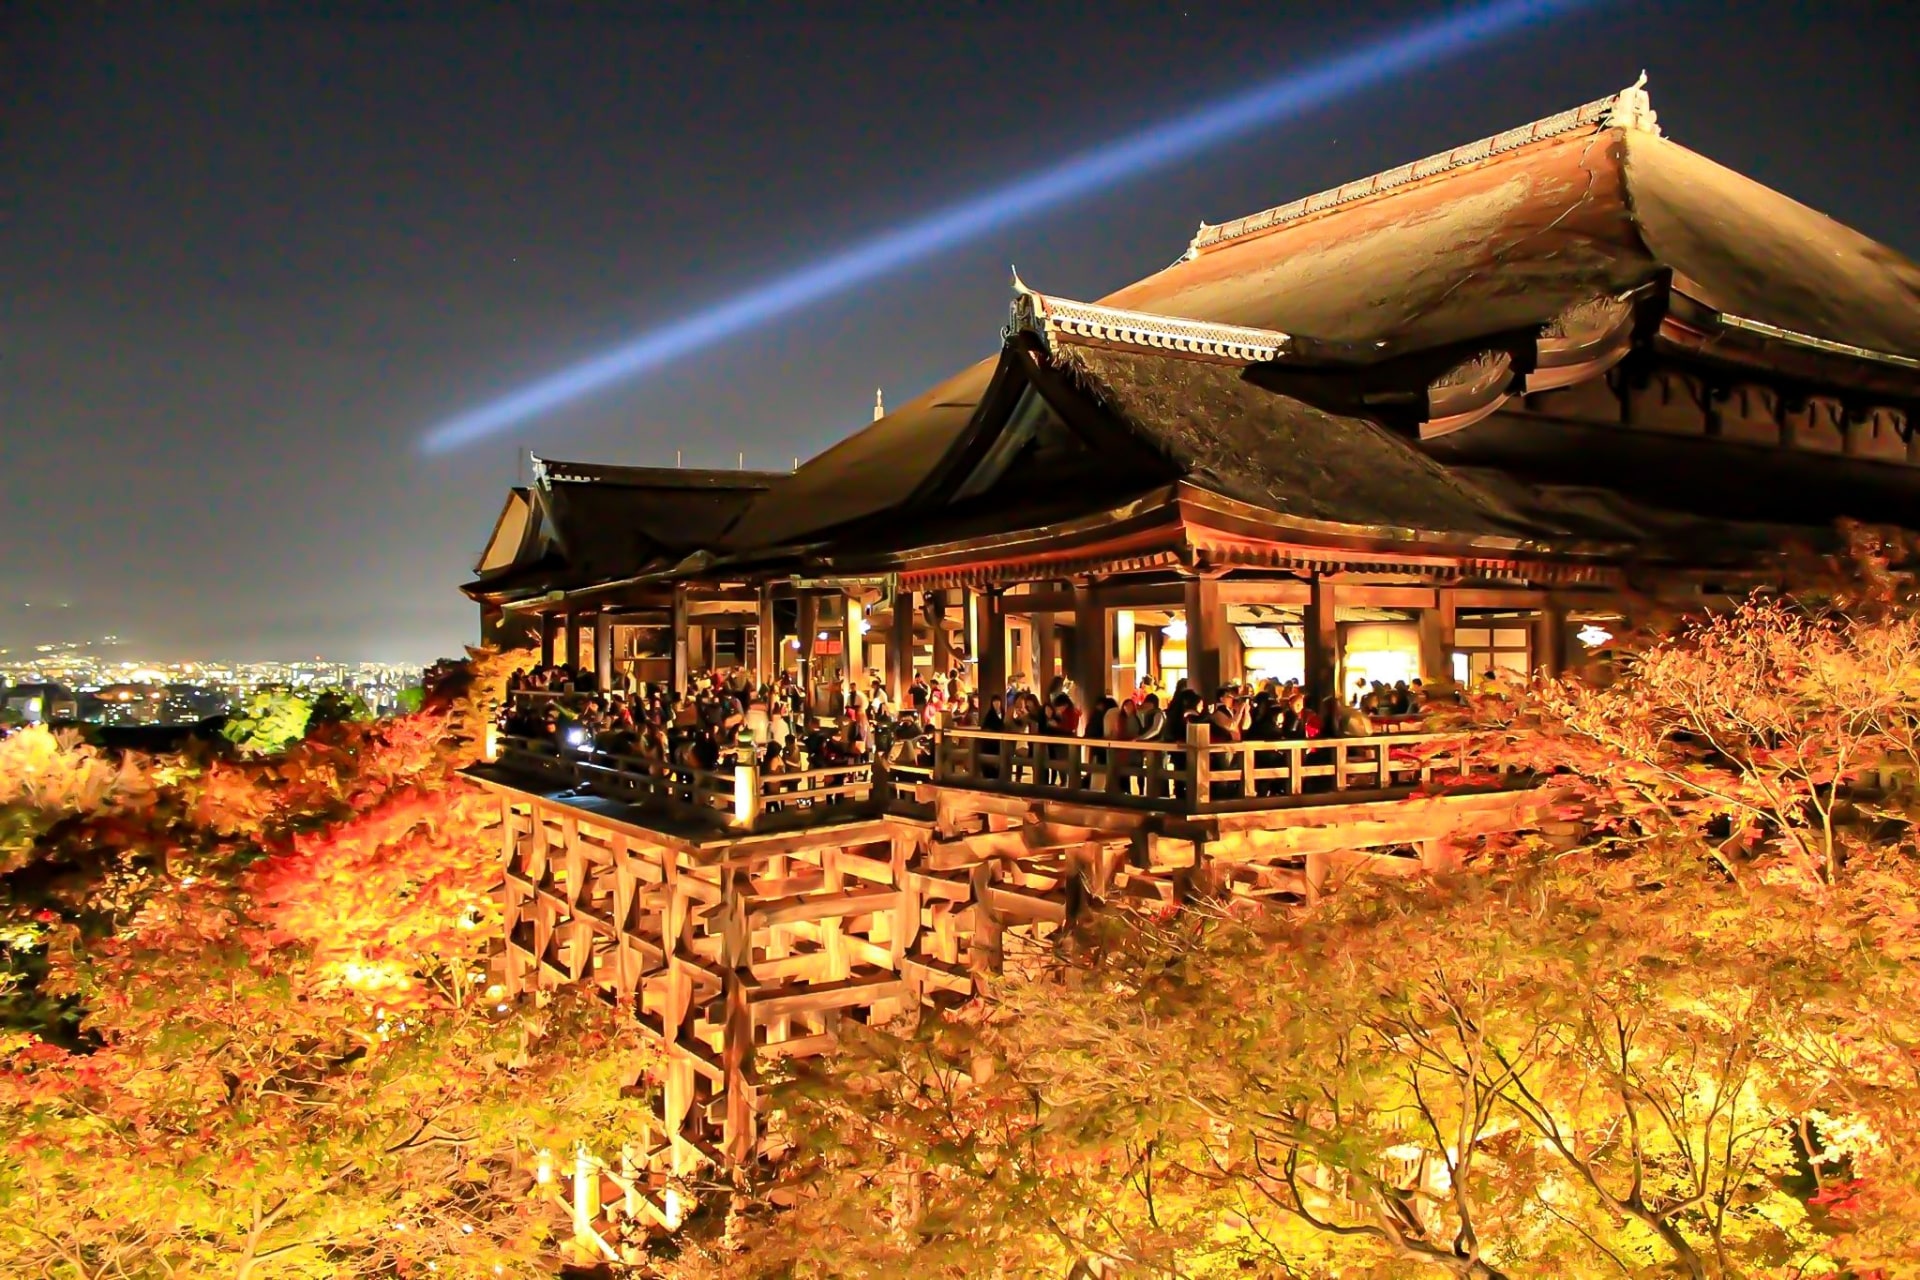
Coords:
pixel 1197 775
pixel 738 797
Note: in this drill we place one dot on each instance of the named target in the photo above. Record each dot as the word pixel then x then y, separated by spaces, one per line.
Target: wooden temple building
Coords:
pixel 1458 417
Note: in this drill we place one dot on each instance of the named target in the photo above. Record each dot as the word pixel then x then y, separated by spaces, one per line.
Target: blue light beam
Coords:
pixel 1276 100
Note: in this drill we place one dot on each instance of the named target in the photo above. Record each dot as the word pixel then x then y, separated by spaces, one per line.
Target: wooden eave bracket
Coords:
pixel 1536 364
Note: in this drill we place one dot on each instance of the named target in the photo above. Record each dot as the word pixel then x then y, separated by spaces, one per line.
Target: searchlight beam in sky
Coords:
pixel 1294 94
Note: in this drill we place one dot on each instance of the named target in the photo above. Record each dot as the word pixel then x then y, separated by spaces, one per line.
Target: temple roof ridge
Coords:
pixel 1047 317
pixel 550 471
pixel 1631 108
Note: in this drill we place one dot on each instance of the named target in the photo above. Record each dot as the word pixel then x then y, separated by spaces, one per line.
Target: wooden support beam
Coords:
pixel 682 675
pixel 1233 654
pixel 820 905
pixel 1171 594
pixel 993 645
pixel 1366 595
pixel 808 633
pixel 1498 598
pixel 572 640
pixel 821 997
pixel 603 650
pixel 1126 643
pixel 942 647
pixel 900 650
pixel 1090 645
pixel 1288 592
pixel 1322 636
pixel 1550 639
pixel 1206 621
pixel 1032 603
pixel 549 629
pixel 766 655
pixel 1045 649
pixel 1436 638
pixel 854 646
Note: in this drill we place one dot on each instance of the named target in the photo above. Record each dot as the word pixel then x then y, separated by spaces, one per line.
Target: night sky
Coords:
pixel 248 257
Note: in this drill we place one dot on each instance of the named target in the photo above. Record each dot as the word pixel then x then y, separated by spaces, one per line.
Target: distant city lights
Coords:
pixel 76 680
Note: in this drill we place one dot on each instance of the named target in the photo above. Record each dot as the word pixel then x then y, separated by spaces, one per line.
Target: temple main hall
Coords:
pixel 1466 418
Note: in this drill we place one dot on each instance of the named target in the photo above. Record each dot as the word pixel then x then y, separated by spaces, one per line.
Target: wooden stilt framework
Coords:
pixel 734 950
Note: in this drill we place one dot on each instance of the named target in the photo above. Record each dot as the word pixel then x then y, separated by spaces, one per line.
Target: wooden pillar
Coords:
pixel 809 637
pixel 681 676
pixel 900 649
pixel 1233 654
pixel 1322 637
pixel 766 656
pixel 942 648
pixel 1436 639
pixel 1550 640
pixel 549 628
pixel 854 646
pixel 1206 619
pixel 1090 645
pixel 993 645
pixel 1045 646
pixel 603 650
pixel 572 640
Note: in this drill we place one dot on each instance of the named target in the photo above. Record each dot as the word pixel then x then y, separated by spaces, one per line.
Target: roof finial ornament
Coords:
pixel 1027 310
pixel 1193 245
pixel 1633 109
pixel 879 405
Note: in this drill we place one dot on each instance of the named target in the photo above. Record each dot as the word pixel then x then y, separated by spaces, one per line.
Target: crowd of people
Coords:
pixel 725 718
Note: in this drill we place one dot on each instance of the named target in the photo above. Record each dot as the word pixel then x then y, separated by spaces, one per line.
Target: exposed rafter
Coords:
pixel 1047 317
pixel 1628 109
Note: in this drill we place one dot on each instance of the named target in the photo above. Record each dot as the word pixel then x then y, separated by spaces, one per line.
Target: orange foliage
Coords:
pixel 286 1061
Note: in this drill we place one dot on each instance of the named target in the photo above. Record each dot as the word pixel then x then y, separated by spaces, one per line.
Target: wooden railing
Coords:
pixel 737 797
pixel 1197 775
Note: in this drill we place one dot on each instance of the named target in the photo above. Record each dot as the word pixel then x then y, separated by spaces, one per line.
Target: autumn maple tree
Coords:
pixel 253 1034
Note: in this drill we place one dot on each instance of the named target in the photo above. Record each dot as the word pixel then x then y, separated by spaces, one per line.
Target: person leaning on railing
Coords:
pixel 1227 723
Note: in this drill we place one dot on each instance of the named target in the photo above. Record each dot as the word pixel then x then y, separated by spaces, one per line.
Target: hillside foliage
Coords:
pixel 249 1030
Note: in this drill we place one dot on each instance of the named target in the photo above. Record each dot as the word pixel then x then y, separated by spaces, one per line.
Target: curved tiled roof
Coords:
pixel 1243 441
pixel 871 470
pixel 1505 233
pixel 1496 237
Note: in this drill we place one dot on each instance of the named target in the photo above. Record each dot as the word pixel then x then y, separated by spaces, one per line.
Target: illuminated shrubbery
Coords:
pixel 249 1029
